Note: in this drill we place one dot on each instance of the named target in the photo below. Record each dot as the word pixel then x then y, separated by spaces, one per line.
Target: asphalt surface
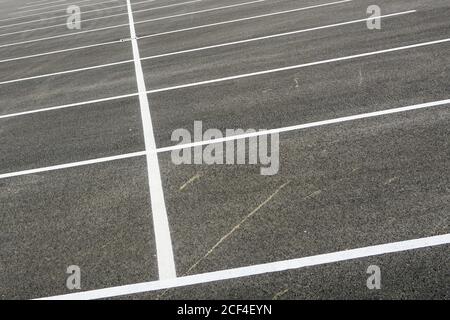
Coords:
pixel 343 186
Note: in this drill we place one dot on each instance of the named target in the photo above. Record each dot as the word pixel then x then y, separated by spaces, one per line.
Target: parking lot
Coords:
pixel 87 176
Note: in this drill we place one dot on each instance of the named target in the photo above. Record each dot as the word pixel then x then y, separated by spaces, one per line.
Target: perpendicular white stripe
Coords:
pixel 100 18
pixel 266 268
pixel 67 72
pixel 203 48
pixel 163 240
pixel 308 125
pixel 271 36
pixel 72 165
pixel 298 66
pixel 77 104
pixel 243 136
pixel 63 16
pixel 243 19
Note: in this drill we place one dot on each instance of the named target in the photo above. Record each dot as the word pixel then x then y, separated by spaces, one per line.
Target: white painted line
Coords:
pixel 67 72
pixel 310 125
pixel 40 3
pixel 62 35
pixel 236 137
pixel 64 5
pixel 100 18
pixel 163 240
pixel 244 19
pixel 199 12
pixel 298 66
pixel 122 25
pixel 60 51
pixel 71 105
pixel 180 30
pixel 72 165
pixel 279 266
pixel 61 16
pixel 271 36
pixel 204 48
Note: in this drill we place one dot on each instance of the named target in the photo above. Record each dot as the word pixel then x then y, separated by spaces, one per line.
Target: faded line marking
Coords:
pixel 191 180
pixel 225 237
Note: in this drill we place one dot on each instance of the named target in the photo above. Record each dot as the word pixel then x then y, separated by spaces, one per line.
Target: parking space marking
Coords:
pixel 204 48
pixel 65 15
pixel 245 19
pixel 61 5
pixel 298 66
pixel 40 3
pixel 100 18
pixel 74 164
pixel 122 25
pixel 61 51
pixel 309 125
pixel 265 268
pixel 278 35
pixel 67 72
pixel 71 105
pixel 236 137
pixel 163 240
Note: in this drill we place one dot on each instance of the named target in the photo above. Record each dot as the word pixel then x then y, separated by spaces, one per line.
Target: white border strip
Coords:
pixel 164 250
pixel 236 137
pixel 254 270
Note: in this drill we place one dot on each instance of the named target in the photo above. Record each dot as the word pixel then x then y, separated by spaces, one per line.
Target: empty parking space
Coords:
pixel 95 217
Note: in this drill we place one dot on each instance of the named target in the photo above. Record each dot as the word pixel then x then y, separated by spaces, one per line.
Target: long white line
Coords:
pixel 166 261
pixel 100 18
pixel 226 44
pixel 309 125
pixel 201 49
pixel 122 25
pixel 298 66
pixel 237 137
pixel 279 266
pixel 67 72
pixel 62 35
pixel 63 16
pixel 71 105
pixel 61 51
pixel 244 19
pixel 73 164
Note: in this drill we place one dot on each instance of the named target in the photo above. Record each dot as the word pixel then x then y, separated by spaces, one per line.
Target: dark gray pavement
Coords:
pixel 345 186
